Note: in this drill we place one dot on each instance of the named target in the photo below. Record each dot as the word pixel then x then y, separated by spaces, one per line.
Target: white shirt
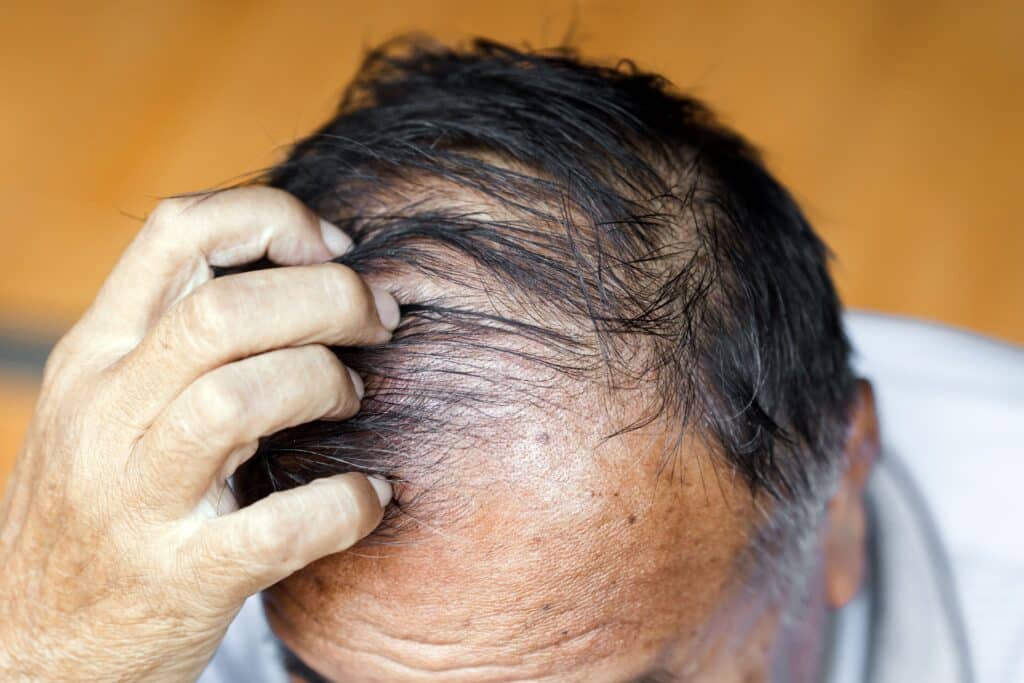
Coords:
pixel 945 598
pixel 951 406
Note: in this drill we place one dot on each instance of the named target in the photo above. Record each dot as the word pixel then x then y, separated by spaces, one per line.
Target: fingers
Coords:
pixel 274 537
pixel 214 424
pixel 183 237
pixel 240 315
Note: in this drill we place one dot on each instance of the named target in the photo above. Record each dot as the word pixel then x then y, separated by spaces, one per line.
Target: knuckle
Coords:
pixel 60 356
pixel 350 292
pixel 322 363
pixel 275 205
pixel 324 370
pixel 291 209
pixel 342 279
pixel 70 361
pixel 289 206
pixel 273 546
pixel 217 401
pixel 202 314
pixel 167 212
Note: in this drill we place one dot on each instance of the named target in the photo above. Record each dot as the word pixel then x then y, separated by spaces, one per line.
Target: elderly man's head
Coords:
pixel 617 407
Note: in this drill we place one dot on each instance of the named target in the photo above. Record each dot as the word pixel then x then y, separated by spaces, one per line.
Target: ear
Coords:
pixel 846 532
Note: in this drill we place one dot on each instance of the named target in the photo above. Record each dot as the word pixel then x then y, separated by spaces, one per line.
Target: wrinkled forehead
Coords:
pixel 549 559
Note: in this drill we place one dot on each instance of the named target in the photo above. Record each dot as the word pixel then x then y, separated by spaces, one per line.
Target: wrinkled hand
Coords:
pixel 123 555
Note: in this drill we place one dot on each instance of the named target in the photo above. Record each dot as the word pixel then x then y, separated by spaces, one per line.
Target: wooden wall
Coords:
pixel 898 124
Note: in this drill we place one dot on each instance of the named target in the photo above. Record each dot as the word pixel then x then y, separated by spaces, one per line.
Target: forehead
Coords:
pixel 527 540
pixel 553 555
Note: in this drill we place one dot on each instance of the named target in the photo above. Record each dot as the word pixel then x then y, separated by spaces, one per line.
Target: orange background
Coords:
pixel 897 124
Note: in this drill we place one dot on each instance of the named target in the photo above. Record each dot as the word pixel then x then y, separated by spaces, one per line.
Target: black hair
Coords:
pixel 628 237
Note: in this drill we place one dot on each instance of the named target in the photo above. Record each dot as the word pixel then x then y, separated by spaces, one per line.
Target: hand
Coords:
pixel 122 553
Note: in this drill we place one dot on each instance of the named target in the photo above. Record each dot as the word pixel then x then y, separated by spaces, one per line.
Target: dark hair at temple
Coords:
pixel 639 240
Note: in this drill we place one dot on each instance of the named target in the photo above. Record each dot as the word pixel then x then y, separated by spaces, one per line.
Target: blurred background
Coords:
pixel 898 125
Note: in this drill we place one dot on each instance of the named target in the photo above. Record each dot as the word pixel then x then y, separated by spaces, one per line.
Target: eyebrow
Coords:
pixel 296 667
pixel 655 675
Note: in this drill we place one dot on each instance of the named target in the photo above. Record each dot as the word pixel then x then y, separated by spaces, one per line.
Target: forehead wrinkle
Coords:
pixel 516 657
pixel 415 651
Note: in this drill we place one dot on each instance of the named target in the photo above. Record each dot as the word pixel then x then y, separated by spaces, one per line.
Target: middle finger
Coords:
pixel 214 425
pixel 240 315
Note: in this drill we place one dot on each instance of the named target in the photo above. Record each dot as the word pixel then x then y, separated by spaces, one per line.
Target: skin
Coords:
pixel 122 553
pixel 568 575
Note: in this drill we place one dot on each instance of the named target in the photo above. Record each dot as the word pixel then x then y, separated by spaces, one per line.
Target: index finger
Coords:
pixel 184 237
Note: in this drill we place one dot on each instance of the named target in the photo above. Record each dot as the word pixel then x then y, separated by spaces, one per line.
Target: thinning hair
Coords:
pixel 586 221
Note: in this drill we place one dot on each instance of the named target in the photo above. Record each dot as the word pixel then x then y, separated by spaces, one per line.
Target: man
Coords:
pixel 624 436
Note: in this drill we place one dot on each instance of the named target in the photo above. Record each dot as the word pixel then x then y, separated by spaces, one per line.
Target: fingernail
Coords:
pixel 357 383
pixel 335 239
pixel 387 308
pixel 382 487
